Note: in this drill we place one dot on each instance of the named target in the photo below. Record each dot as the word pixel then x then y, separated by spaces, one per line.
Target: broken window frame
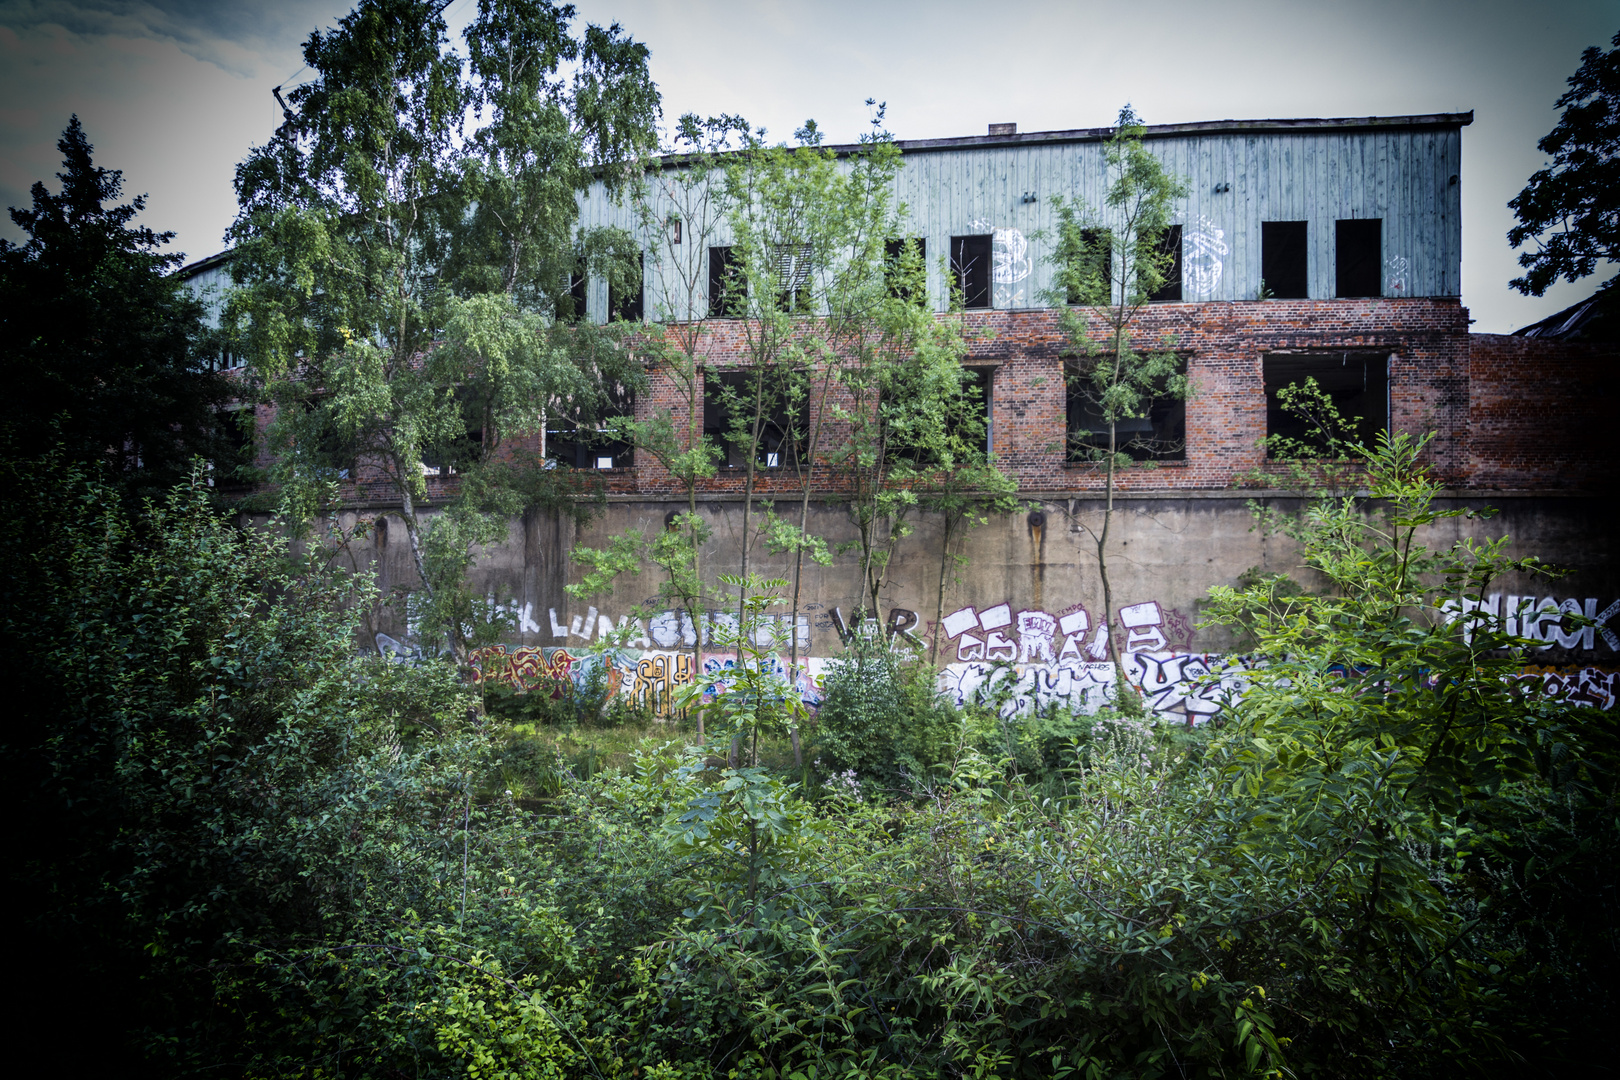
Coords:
pixel 971 270
pixel 1159 436
pixel 577 443
pixel 793 264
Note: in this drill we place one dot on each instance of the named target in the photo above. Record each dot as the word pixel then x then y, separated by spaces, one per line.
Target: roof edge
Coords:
pixel 1302 126
pixel 193 268
pixel 1298 126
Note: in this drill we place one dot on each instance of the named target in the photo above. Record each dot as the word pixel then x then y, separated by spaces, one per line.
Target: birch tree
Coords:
pixel 397 274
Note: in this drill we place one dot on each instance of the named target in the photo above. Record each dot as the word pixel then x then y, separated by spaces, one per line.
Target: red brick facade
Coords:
pixel 1507 412
pixel 1224 344
pixel 1539 413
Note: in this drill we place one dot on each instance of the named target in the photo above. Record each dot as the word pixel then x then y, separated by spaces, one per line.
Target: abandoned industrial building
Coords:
pixel 1328 249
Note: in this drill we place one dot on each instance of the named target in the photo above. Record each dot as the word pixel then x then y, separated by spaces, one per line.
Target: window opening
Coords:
pixel 585 444
pixel 912 287
pixel 793 269
pixel 724 391
pixel 1358 257
pixel 727 288
pixel 1099 256
pixel 970 265
pixel 1170 244
pixel 1158 435
pixel 1284 259
pixel 1357 384
pixel 628 303
pixel 571 307
pixel 459 454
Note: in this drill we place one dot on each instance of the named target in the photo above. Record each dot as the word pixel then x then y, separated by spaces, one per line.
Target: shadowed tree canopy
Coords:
pixel 98 344
pixel 1570 211
pixel 408 250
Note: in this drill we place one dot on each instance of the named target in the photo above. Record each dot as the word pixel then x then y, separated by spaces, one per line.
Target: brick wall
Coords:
pixel 1224 343
pixel 1541 413
pixel 1508 412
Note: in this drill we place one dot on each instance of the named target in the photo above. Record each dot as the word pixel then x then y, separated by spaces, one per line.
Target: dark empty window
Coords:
pixel 906 278
pixel 726 286
pixel 585 444
pixel 1170 244
pixel 1095 259
pixel 625 302
pixel 730 401
pixel 1358 257
pixel 970 265
pixel 234 431
pixel 1158 435
pixel 976 388
pixel 571 306
pixel 1283 259
pixel 1356 384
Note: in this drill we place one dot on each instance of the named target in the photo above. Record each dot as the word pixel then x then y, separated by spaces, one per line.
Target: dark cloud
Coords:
pixel 238 36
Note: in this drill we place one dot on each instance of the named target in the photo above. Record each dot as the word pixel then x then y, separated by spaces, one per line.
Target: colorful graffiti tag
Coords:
pixel 1021 659
pixel 1191 687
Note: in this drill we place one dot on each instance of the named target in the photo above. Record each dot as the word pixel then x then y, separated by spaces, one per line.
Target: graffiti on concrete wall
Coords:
pixel 1190 687
pixel 1544 619
pixel 1015 659
pixel 1070 636
pixel 1594 687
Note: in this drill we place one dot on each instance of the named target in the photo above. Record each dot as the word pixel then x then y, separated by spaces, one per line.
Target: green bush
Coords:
pixel 882 716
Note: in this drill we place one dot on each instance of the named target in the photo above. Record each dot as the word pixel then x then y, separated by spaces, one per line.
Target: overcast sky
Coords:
pixel 174 92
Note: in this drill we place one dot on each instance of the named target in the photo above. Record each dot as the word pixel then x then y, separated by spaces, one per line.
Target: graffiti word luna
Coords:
pixel 675 629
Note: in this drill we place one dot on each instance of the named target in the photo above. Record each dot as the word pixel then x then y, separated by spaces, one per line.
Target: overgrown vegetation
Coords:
pixel 1393 859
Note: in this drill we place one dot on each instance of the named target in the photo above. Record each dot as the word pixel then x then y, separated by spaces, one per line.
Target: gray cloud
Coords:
pixel 238 36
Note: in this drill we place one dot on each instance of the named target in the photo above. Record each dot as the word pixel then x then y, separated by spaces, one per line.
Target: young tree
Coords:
pixel 1109 264
pixel 1571 210
pixel 101 349
pixel 404 281
pixel 964 493
pixel 680 204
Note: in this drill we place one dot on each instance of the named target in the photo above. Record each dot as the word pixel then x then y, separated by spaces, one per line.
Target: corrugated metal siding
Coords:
pixel 1400 175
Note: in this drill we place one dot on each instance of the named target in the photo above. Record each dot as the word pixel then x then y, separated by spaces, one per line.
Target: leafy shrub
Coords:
pixel 882 715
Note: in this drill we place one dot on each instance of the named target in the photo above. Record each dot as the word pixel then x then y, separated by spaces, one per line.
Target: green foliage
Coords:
pixel 1326 463
pixel 102 351
pixel 400 279
pixel 882 717
pixel 1392 860
pixel 1570 211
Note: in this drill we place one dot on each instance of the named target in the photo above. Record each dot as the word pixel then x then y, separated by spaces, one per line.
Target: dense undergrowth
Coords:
pixel 284 859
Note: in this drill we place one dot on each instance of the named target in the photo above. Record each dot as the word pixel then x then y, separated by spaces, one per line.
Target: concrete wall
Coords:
pixel 1029 592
